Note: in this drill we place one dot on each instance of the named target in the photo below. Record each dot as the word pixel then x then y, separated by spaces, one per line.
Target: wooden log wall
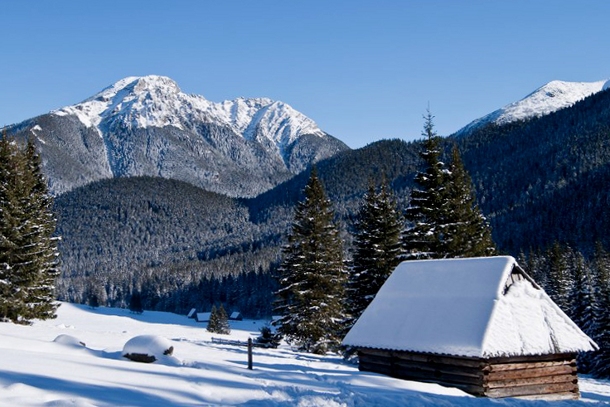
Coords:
pixel 546 377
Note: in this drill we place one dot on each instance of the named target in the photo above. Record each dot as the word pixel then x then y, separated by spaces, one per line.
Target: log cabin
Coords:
pixel 480 324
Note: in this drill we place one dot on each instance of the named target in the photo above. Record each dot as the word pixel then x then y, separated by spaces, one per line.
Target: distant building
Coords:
pixel 481 325
pixel 236 316
pixel 203 316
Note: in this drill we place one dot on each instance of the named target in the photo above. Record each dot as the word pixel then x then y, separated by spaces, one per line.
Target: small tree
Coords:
pixel 219 321
pixel 135 303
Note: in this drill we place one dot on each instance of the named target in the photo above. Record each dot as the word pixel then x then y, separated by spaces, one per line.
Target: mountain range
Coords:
pixel 539 166
pixel 145 126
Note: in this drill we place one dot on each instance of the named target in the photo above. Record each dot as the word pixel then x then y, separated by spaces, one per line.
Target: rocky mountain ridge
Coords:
pixel 145 126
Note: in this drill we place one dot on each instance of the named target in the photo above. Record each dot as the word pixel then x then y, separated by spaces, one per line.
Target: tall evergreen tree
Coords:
pixel 443 217
pixel 468 233
pixel 312 275
pixel 427 205
pixel 601 328
pixel 28 250
pixel 377 248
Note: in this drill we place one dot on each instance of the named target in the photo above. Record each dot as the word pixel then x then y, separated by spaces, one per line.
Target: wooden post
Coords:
pixel 250 353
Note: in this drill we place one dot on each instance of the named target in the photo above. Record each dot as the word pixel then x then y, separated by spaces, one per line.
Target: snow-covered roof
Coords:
pixel 463 307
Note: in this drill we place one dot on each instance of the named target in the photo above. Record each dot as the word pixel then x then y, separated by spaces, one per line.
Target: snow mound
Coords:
pixel 606 85
pixel 69 340
pixel 147 348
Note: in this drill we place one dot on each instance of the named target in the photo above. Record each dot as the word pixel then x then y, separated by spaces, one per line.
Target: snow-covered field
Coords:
pixel 45 365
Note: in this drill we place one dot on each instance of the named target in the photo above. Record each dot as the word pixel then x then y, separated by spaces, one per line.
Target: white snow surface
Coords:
pixel 76 360
pixel 458 307
pixel 151 345
pixel 157 101
pixel 547 99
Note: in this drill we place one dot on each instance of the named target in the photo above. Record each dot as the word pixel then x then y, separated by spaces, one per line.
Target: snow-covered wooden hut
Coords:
pixel 203 316
pixel 236 316
pixel 480 324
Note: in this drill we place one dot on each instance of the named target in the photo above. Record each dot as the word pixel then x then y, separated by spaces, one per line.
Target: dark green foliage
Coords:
pixel 268 338
pixel 444 219
pixel 424 237
pixel 581 287
pixel 135 303
pixel 377 248
pixel 219 321
pixel 468 233
pixel 545 179
pixel 312 275
pixel 28 249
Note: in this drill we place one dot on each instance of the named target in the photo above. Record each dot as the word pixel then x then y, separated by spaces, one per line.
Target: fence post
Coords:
pixel 250 353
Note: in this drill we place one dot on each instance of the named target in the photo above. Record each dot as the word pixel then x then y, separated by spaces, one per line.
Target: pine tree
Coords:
pixel 312 275
pixel 28 250
pixel 213 322
pixel 559 280
pixel 443 218
pixel 601 329
pixel 422 238
pixel 377 248
pixel 135 303
pixel 468 234
pixel 219 321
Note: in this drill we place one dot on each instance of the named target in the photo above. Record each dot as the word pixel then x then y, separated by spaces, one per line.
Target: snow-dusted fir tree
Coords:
pixel 312 275
pixel 28 250
pixel 601 329
pixel 468 233
pixel 425 213
pixel 219 321
pixel 377 248
pixel 443 218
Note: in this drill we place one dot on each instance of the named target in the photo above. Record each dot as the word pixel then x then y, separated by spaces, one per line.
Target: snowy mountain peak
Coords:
pixel 547 99
pixel 157 101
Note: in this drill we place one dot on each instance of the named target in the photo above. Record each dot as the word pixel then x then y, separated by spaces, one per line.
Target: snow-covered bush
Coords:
pixel 68 340
pixel 147 348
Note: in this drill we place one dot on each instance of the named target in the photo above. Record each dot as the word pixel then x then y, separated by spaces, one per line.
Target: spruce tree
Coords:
pixel 601 328
pixel 213 322
pixel 422 239
pixel 468 233
pixel 28 250
pixel 443 218
pixel 312 275
pixel 377 248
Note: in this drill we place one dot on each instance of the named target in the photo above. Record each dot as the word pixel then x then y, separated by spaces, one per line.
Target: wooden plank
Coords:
pixel 537 358
pixel 367 366
pixel 441 369
pixel 435 376
pixel 529 365
pixel 537 372
pixel 532 381
pixel 532 390
pixel 446 360
pixel 570 395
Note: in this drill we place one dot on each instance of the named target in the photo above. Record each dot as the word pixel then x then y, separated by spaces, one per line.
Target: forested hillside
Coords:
pixel 540 181
pixel 545 179
pixel 173 241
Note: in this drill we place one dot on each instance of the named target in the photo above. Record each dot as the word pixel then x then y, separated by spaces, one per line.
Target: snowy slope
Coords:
pixel 547 99
pixel 157 101
pixel 75 360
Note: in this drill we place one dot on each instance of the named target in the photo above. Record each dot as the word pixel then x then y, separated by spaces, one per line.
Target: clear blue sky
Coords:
pixel 363 70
